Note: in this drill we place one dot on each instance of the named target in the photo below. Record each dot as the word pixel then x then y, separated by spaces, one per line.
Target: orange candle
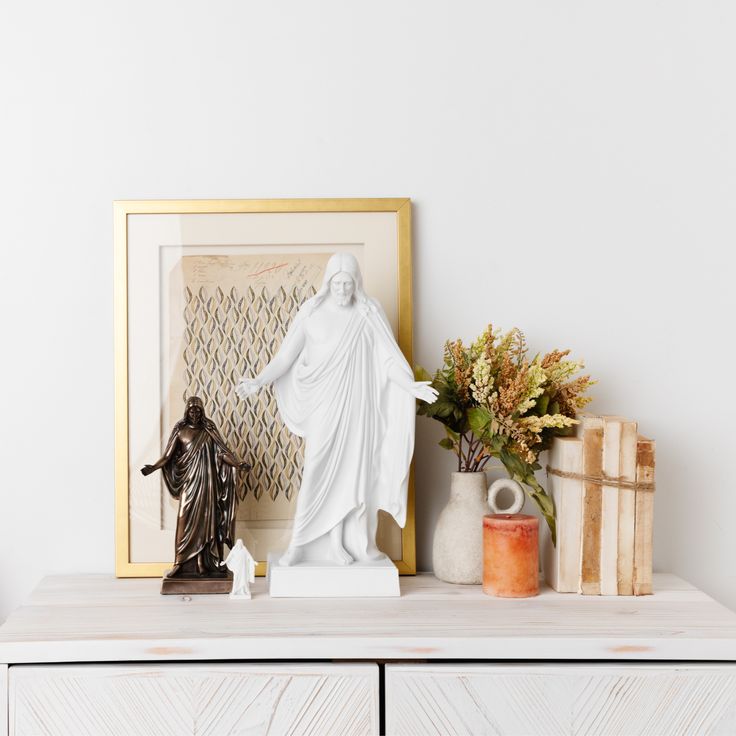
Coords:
pixel 511 555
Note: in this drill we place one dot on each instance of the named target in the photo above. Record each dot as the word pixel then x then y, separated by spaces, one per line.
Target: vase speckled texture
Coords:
pixel 457 552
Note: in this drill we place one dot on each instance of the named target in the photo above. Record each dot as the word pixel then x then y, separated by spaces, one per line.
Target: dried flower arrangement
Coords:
pixel 496 403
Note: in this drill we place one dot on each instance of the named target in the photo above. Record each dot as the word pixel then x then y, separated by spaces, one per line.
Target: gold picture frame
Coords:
pixel 133 219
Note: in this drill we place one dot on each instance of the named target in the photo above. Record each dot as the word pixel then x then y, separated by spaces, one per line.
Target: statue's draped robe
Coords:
pixel 206 488
pixel 357 423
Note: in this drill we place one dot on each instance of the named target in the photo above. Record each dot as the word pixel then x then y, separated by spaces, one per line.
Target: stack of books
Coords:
pixel 602 483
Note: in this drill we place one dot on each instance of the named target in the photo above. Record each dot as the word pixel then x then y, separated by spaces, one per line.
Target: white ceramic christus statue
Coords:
pixel 342 383
pixel 243 567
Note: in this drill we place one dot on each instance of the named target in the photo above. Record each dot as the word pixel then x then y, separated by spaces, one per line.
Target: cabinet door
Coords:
pixel 3 700
pixel 528 699
pixel 103 700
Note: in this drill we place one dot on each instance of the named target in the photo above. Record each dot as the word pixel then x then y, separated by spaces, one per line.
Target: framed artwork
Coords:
pixel 204 293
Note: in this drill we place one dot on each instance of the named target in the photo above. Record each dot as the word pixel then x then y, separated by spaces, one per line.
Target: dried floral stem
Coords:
pixel 496 402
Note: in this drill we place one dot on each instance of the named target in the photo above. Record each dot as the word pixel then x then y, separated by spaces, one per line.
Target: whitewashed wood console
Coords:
pixel 95 655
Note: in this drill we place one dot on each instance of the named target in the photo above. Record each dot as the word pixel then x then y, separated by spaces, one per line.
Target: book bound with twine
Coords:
pixel 602 483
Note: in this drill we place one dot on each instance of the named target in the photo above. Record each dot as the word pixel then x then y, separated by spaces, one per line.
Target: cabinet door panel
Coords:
pixel 528 699
pixel 3 700
pixel 107 700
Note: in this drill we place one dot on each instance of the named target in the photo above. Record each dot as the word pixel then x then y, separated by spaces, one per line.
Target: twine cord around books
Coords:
pixel 603 479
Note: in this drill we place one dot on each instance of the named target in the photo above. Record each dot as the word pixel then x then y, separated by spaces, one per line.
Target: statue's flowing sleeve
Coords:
pixel 230 487
pixel 174 481
pixel 398 417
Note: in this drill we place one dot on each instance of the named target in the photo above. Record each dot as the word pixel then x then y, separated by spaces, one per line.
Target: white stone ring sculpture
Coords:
pixel 501 484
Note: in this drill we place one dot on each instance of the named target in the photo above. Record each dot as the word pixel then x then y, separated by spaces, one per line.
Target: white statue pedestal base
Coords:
pixel 378 579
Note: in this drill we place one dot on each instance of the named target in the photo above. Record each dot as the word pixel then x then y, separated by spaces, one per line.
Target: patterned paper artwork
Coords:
pixel 229 335
pixel 227 316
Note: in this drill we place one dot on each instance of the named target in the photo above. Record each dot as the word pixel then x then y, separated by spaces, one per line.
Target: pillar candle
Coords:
pixel 511 555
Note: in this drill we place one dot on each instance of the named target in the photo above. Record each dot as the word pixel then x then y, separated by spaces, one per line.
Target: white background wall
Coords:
pixel 572 165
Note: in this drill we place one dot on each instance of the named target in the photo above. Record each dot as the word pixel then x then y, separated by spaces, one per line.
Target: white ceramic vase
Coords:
pixel 457 552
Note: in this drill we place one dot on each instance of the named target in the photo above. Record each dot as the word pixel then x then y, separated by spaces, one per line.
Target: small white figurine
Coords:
pixel 343 384
pixel 243 567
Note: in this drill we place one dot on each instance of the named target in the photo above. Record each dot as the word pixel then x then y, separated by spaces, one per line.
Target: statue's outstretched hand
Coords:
pixel 247 386
pixel 147 469
pixel 424 391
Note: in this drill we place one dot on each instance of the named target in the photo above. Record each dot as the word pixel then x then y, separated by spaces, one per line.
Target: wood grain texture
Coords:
pixel 612 431
pixel 644 526
pixel 590 563
pixel 627 509
pixel 526 699
pixel 163 700
pixel 562 560
pixel 99 618
pixel 3 700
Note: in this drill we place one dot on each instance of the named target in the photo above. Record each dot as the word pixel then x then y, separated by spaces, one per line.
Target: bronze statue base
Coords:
pixel 193 585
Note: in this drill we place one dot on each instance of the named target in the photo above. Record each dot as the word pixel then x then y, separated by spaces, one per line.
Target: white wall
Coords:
pixel 573 168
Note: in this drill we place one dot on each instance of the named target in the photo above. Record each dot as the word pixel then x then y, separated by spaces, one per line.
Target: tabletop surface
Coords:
pixel 98 618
